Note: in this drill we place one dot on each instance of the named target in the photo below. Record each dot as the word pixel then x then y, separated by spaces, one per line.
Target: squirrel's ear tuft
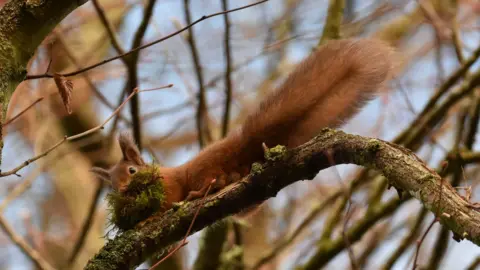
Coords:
pixel 129 149
pixel 102 174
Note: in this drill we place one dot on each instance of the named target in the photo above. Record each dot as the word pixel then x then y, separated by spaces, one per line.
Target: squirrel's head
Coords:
pixel 120 174
pixel 137 192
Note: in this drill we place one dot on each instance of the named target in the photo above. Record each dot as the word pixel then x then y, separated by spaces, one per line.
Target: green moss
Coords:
pixel 114 250
pixel 144 196
pixel 373 145
pixel 211 203
pixel 276 153
pixel 257 168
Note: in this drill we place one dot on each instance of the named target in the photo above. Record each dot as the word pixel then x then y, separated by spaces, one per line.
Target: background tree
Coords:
pixel 52 211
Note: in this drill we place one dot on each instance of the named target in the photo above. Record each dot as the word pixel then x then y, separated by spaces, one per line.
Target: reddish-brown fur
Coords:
pixel 325 90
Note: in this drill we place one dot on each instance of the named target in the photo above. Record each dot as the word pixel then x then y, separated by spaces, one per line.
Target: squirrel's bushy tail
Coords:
pixel 325 90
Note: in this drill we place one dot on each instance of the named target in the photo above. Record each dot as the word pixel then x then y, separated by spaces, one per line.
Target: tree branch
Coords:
pixel 202 126
pixel 39 76
pixel 402 168
pixel 228 70
pixel 23 26
pixel 132 63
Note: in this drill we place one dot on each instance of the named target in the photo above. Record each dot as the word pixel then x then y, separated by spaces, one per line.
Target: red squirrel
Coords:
pixel 325 90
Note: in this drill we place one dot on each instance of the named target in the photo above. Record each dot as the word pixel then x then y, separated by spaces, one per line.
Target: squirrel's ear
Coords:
pixel 129 149
pixel 102 174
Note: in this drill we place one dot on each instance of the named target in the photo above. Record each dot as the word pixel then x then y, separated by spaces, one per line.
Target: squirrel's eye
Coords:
pixel 132 170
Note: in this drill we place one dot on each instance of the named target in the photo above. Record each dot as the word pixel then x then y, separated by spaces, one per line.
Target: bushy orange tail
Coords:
pixel 325 90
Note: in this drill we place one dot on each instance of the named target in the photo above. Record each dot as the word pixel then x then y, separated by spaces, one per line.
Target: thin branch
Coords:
pixel 26 249
pixel 442 30
pixel 31 77
pixel 35 158
pixel 22 112
pixel 21 188
pixel 210 251
pixel 433 115
pixel 202 127
pixel 111 134
pixel 108 26
pixel 132 63
pixel 407 240
pixel 475 263
pixel 332 248
pixel 310 217
pixel 457 41
pixel 430 106
pixel 87 224
pixel 419 243
pixel 374 242
pixel 74 137
pixel 317 209
pixel 85 76
pixel 456 170
pixel 29 251
pixel 228 71
pixel 347 198
pixel 27 183
pixel 348 245
pixel 474 117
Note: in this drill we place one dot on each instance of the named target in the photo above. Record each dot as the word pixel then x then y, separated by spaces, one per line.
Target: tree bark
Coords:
pixel 24 24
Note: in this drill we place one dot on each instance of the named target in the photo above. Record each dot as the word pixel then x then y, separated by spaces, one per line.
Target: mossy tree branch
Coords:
pixel 402 168
pixel 23 26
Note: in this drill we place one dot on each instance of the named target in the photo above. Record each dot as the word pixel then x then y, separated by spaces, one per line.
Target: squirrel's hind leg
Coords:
pixel 220 182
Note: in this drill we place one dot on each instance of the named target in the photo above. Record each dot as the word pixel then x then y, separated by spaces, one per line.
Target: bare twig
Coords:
pixel 228 71
pixel 443 31
pixel 457 41
pixel 348 196
pixel 22 112
pixel 74 137
pixel 423 116
pixel 413 232
pixel 475 263
pixel 310 217
pixel 28 161
pixel 24 247
pixel 108 26
pixel 30 252
pixel 31 77
pixel 111 133
pixel 21 188
pixel 88 222
pixel 85 76
pixel 131 63
pixel 419 243
pixel 202 126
